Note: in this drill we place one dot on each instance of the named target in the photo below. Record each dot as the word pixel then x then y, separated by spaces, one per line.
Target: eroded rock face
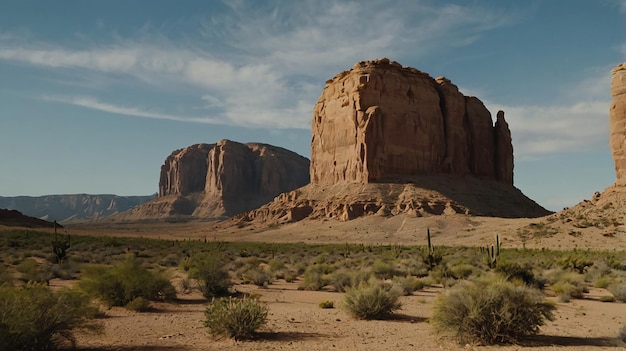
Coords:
pixel 184 171
pixel 380 120
pixel 618 123
pixel 226 178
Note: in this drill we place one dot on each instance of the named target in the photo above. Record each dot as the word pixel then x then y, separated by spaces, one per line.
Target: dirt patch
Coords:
pixel 296 322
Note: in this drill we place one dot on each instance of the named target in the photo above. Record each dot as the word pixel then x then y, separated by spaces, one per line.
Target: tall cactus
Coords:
pixel 432 258
pixel 59 247
pixel 493 253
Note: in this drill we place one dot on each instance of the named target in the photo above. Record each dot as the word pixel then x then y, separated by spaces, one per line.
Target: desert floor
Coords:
pixel 295 320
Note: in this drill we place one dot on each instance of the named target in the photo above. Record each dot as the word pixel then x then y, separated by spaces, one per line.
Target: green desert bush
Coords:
pixel 372 299
pixel 290 277
pixel 32 271
pixel 603 282
pixel 598 270
pixel 121 284
pixel 619 291
pixel 408 284
pixel 516 272
pixel 139 304
pixel 384 270
pixel 577 262
pixel 440 274
pixel 235 318
pixel 316 277
pixel 568 285
pixel 257 276
pixel 33 318
pixel 490 311
pixel 461 270
pixel 207 269
pixel 341 280
pixel 67 270
pixel 275 265
pixel 344 279
pixel 327 304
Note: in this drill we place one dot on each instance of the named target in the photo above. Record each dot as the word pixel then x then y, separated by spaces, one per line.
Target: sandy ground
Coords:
pixel 296 322
pixel 402 229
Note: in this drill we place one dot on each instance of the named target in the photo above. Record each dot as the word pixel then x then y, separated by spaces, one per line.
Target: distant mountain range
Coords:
pixel 72 207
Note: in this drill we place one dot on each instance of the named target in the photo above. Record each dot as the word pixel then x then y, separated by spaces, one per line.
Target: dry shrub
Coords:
pixel 123 283
pixel 619 291
pixel 257 276
pixel 33 318
pixel 316 277
pixel 372 299
pixel 491 311
pixel 568 285
pixel 235 318
pixel 408 284
pixel 208 270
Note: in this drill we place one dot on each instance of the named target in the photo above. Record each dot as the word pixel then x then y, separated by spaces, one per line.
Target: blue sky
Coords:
pixel 94 95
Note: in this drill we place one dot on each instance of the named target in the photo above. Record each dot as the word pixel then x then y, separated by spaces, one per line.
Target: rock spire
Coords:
pixel 618 123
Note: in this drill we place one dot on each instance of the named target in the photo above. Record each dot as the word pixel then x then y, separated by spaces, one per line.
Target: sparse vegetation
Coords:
pixel 408 284
pixel 33 318
pixel 208 270
pixel 124 283
pixel 619 291
pixel 490 311
pixel 26 256
pixel 567 284
pixel 235 318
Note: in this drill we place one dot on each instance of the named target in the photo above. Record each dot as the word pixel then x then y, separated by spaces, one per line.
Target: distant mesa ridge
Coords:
pixel 223 179
pixel 70 207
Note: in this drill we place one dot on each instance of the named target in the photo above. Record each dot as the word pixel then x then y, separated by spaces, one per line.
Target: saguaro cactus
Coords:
pixel 59 247
pixel 492 253
pixel 432 258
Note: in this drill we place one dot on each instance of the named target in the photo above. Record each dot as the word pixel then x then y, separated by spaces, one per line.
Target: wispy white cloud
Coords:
pixel 324 35
pixel 272 62
pixel 578 120
pixel 94 104
pixel 540 130
pixel 103 60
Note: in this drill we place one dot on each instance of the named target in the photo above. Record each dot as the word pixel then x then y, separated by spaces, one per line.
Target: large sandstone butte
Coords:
pixel 618 123
pixel 223 179
pixel 380 120
pixel 391 140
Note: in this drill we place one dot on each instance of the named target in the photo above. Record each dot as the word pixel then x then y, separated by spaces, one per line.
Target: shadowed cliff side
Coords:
pixel 222 179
